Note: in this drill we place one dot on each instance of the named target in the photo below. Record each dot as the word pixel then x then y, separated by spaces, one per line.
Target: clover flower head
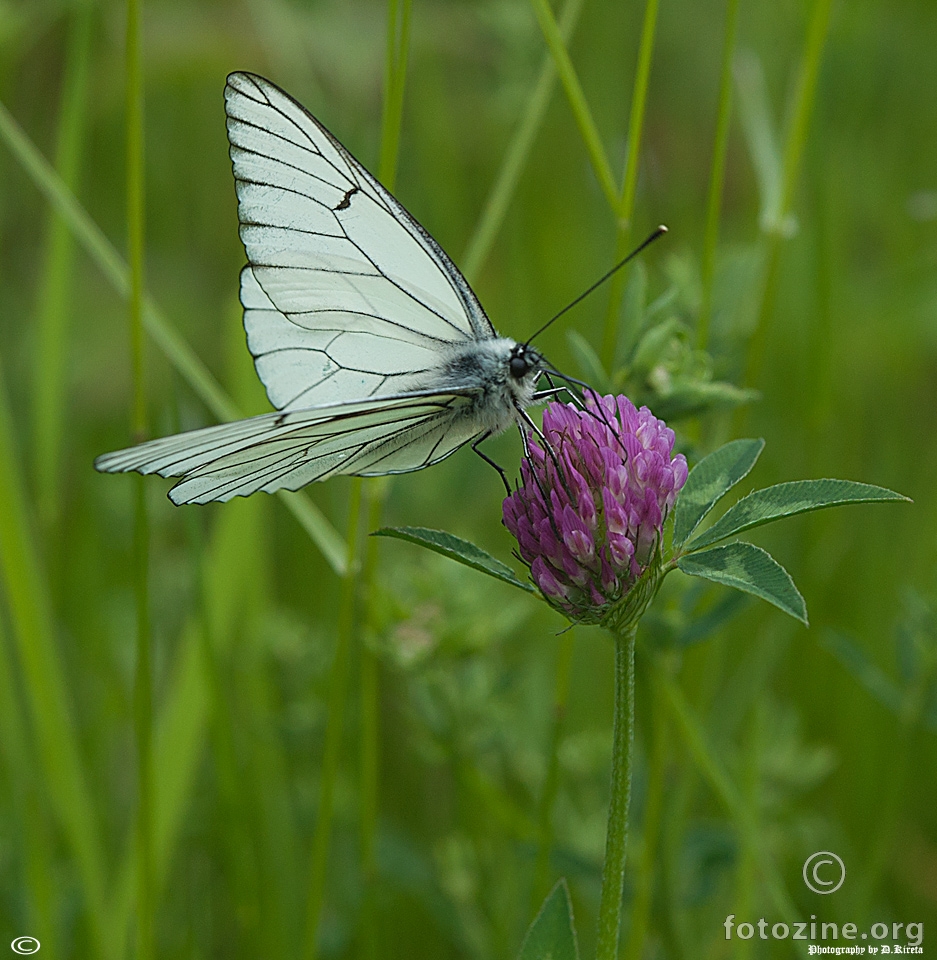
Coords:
pixel 589 513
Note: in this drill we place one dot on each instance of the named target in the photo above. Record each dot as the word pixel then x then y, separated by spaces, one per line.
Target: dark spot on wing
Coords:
pixel 346 200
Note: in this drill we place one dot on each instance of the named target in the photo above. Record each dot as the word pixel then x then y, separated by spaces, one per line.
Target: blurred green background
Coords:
pixel 472 764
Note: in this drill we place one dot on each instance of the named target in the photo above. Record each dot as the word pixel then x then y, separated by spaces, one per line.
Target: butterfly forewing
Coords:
pixel 369 300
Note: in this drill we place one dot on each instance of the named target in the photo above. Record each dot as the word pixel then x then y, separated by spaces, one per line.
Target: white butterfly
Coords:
pixel 371 345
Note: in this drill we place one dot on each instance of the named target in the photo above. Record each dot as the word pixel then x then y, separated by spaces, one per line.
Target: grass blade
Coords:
pixel 577 101
pixel 52 314
pixel 169 341
pixel 44 680
pixel 331 754
pixel 33 848
pixel 717 174
pixel 397 51
pixel 712 771
pixel 515 157
pixel 802 107
pixel 623 207
pixel 230 573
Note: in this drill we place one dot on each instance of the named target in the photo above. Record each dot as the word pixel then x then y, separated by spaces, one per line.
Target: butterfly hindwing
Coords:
pixel 346 295
pixel 288 450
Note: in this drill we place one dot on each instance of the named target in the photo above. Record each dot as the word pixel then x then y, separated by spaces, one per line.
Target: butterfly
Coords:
pixel 374 351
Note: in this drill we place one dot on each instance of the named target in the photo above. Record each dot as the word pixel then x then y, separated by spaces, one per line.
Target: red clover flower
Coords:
pixel 590 511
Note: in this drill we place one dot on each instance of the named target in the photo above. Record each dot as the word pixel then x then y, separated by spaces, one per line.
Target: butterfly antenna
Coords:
pixel 659 232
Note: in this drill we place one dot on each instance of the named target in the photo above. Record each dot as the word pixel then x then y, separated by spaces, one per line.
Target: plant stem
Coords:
pixel 616 837
pixel 395 74
pixel 33 618
pixel 167 339
pixel 717 174
pixel 623 207
pixel 804 96
pixel 694 738
pixel 55 295
pixel 143 679
pixel 551 781
pixel 577 100
pixel 653 809
pixel 338 684
pixel 515 157
pixel 375 494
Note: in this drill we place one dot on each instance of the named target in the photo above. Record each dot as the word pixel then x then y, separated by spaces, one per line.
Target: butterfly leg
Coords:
pixel 491 462
pixel 525 442
pixel 552 392
pixel 598 411
pixel 547 447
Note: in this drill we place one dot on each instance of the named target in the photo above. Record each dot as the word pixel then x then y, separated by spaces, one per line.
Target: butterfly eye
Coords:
pixel 519 367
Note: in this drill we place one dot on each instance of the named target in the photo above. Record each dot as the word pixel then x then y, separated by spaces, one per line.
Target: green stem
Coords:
pixel 375 493
pixel 804 96
pixel 577 100
pixel 232 823
pixel 623 206
pixel 551 781
pixel 717 174
pixel 515 157
pixel 616 838
pixel 25 589
pixel 896 793
pixel 179 354
pixel 629 180
pixel 143 679
pixel 370 773
pixel 746 876
pixel 395 73
pixel 720 783
pixel 55 298
pixel 33 843
pixel 338 685
pixel 653 807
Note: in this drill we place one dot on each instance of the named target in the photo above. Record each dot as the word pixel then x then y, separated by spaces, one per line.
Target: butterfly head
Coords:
pixel 524 362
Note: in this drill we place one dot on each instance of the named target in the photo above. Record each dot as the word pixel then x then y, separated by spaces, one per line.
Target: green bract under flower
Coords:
pixel 590 512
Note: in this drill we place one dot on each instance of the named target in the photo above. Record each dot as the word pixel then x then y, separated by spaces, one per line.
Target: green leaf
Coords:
pixel 709 480
pixel 762 142
pixel 654 345
pixel 692 398
pixel 457 549
pixel 857 662
pixel 593 372
pixel 552 935
pixel 632 312
pixel 788 499
pixel 704 625
pixel 751 569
